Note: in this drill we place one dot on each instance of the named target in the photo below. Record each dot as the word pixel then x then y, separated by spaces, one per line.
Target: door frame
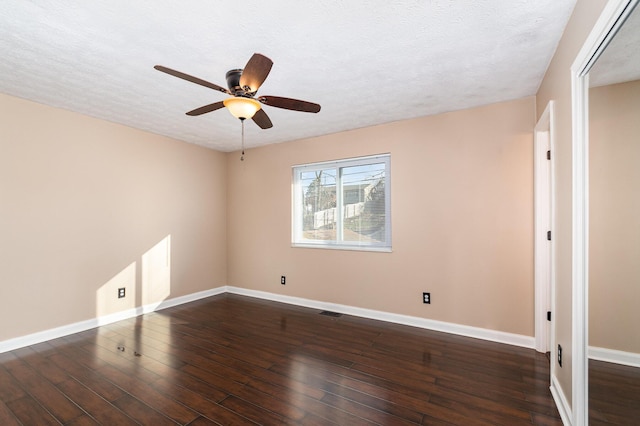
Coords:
pixel 611 19
pixel 544 219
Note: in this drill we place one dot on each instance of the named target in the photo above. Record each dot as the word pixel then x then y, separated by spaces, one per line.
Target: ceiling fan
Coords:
pixel 243 85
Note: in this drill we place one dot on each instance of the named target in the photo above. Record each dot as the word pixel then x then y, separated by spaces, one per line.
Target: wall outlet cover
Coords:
pixel 560 355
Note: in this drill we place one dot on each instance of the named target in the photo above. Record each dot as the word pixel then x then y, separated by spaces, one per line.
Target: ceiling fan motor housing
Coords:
pixel 252 77
pixel 233 82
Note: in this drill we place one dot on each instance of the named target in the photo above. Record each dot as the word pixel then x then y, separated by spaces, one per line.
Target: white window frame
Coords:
pixel 297 238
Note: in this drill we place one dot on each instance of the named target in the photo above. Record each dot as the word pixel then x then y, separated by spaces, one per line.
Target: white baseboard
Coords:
pixel 462 330
pixel 65 330
pixel 561 402
pixel 630 359
pixel 458 329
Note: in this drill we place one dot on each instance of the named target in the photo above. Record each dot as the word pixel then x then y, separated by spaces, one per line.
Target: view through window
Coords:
pixel 343 204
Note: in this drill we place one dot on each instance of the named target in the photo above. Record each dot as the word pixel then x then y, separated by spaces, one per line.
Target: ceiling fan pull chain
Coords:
pixel 242 156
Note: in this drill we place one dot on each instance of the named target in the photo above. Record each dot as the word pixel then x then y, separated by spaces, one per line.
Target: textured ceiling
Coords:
pixel 620 61
pixel 366 63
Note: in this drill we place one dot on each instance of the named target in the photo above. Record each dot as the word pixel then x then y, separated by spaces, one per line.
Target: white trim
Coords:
pixel 462 330
pixel 612 17
pixel 580 240
pixel 337 216
pixel 65 330
pixel 181 300
pixel 325 246
pixel 564 409
pixel 552 146
pixel 630 359
pixel 344 162
pixel 446 327
pixel 544 185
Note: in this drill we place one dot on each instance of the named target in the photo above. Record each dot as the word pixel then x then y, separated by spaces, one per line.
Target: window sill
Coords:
pixel 341 247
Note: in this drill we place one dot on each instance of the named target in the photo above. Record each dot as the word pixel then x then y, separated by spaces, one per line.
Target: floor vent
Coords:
pixel 330 314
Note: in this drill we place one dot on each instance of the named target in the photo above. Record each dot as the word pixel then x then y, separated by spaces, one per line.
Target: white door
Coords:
pixel 543 204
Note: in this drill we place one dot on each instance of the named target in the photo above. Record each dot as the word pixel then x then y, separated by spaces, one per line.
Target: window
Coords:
pixel 343 204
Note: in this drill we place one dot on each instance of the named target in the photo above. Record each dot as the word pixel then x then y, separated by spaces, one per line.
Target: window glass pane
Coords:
pixel 319 204
pixel 343 204
pixel 363 203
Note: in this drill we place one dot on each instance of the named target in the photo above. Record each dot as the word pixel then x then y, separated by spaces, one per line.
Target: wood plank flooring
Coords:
pixel 234 360
pixel 614 394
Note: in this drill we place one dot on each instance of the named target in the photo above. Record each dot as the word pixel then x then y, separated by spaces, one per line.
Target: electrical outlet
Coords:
pixel 426 298
pixel 283 280
pixel 560 355
pixel 121 292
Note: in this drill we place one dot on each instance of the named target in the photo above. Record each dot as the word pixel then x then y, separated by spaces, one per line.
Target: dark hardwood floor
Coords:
pixel 614 394
pixel 235 360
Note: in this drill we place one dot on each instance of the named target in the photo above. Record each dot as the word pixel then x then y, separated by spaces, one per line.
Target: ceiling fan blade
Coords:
pixel 255 72
pixel 207 108
pixel 191 78
pixel 288 103
pixel 262 119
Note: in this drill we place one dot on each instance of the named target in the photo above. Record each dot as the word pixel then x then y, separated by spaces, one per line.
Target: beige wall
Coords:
pixel 557 86
pixel 88 206
pixel 614 217
pixel 461 220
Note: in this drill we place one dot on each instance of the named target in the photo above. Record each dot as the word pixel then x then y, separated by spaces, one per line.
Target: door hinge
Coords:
pixel 548 315
pixel 549 155
pixel 549 235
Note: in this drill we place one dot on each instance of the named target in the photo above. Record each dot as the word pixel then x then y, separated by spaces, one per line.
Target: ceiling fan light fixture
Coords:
pixel 243 85
pixel 241 107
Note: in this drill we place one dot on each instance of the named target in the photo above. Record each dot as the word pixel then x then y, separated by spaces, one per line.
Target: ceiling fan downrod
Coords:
pixel 242 121
pixel 243 85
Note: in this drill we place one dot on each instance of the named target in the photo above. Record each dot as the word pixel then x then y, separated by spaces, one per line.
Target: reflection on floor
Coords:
pixel 230 359
pixel 614 394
